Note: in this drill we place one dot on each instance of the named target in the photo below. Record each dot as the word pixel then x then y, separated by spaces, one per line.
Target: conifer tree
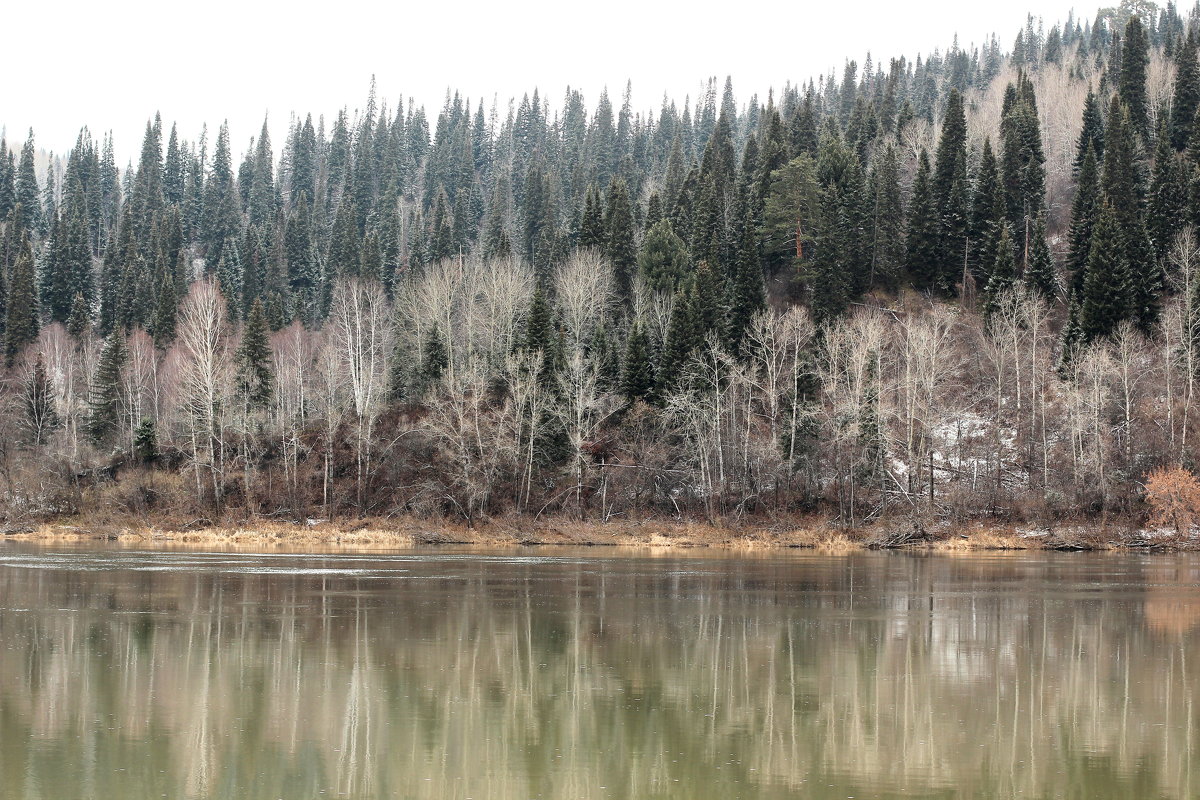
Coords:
pixel 1186 98
pixel 434 357
pixel 1003 274
pixel 255 377
pixel 81 317
pixel 950 193
pixel 591 228
pixel 1106 300
pixel 637 374
pixel 37 402
pixel 619 244
pixel 344 252
pixel 748 294
pixel 27 195
pixel 106 389
pixel 683 338
pixel 1084 210
pixel 663 258
pixel 887 219
pixel 923 226
pixel 1131 87
pixel 1091 134
pixel 987 216
pixel 21 324
pixel 145 442
pixel 1039 271
pixel 1168 196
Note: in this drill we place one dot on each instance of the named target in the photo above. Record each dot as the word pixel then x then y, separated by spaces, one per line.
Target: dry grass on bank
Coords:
pixel 401 533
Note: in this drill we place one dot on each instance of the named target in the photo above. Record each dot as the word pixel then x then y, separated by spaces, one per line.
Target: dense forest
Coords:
pixel 961 286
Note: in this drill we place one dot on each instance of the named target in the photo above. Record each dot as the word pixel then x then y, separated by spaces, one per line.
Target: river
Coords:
pixel 594 673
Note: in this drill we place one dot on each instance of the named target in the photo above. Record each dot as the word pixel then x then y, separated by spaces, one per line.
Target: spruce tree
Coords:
pixel 662 260
pixel 950 193
pixel 619 244
pixel 145 442
pixel 1106 298
pixel 1186 98
pixel 887 220
pixel 254 375
pixel 1131 87
pixel 1091 134
pixel 106 389
pixel 987 216
pixel 683 338
pixel 1003 277
pixel 81 317
pixel 1168 196
pixel 923 228
pixel 1084 210
pixel 1039 272
pixel 748 294
pixel 434 357
pixel 21 324
pixel 637 374
pixel 591 228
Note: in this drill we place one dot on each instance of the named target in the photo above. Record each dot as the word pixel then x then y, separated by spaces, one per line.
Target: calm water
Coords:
pixel 573 674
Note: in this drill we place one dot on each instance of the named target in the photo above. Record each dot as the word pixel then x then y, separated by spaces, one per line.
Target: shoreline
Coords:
pixel 403 533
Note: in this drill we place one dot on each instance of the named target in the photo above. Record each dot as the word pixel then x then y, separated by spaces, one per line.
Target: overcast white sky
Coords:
pixel 112 64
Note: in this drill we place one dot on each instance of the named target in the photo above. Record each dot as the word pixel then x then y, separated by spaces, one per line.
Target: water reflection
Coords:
pixel 438 675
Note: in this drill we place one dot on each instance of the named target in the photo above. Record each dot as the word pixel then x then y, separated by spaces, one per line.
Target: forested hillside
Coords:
pixel 955 287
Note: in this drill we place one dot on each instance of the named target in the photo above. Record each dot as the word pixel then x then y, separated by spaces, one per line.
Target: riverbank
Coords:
pixel 381 534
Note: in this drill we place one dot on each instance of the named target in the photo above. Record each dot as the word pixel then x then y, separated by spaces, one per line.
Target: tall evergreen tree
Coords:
pixel 1084 210
pixel 1131 86
pixel 1186 98
pixel 637 374
pixel 923 228
pixel 949 186
pixel 619 243
pixel 254 375
pixel 1106 298
pixel 21 324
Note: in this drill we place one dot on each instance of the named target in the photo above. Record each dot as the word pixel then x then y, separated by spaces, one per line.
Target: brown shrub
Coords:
pixel 1173 495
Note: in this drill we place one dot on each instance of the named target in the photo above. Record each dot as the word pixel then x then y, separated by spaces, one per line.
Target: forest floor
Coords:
pixel 399 533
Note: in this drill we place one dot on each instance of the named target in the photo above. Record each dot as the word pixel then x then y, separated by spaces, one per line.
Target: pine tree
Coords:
pixel 637 374
pixel 21 324
pixel 255 377
pixel 106 389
